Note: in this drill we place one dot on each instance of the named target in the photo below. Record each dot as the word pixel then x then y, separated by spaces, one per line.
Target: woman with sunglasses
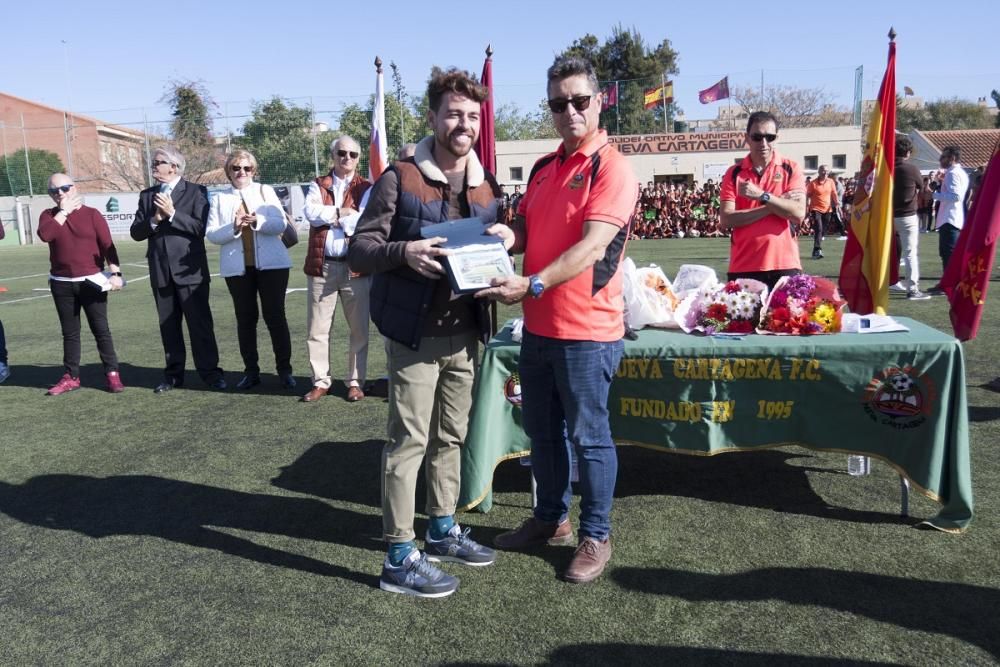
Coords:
pixel 247 220
pixel 79 247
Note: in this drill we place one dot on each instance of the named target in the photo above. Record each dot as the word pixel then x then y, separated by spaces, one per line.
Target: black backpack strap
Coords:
pixel 735 174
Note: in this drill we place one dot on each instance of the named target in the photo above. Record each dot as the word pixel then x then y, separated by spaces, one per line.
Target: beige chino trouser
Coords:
pixel 430 398
pixel 322 293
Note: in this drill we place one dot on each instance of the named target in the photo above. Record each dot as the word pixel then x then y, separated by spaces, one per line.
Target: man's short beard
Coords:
pixel 448 145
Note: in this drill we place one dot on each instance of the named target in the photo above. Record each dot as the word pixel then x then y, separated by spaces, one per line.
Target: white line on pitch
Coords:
pixel 35 275
pixel 27 298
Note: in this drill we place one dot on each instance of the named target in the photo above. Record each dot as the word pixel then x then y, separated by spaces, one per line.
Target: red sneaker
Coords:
pixel 66 383
pixel 115 385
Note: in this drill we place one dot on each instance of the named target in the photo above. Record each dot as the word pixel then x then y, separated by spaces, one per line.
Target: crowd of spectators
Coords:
pixel 678 210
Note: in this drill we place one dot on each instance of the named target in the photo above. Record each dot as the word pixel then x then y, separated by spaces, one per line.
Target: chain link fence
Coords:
pixel 110 150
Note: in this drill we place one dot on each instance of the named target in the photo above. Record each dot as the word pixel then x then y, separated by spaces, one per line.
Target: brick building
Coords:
pixel 98 155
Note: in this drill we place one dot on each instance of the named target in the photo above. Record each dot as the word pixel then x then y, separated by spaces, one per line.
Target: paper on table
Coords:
pixel 866 324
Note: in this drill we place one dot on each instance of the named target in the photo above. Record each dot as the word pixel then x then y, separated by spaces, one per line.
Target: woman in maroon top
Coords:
pixel 79 245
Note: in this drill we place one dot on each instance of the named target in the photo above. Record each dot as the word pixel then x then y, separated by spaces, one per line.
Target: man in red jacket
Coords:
pixel 332 207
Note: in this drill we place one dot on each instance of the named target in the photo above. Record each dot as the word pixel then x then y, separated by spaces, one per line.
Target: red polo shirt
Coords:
pixel 562 195
pixel 765 245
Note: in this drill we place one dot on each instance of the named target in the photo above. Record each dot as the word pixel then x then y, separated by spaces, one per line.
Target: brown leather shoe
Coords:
pixel 314 394
pixel 354 394
pixel 535 533
pixel 588 561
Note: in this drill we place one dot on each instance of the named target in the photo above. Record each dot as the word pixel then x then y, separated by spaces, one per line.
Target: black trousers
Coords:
pixel 270 286
pixel 70 298
pixel 3 345
pixel 820 222
pixel 189 303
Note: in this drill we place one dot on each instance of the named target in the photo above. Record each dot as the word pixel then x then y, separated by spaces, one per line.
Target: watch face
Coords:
pixel 536 287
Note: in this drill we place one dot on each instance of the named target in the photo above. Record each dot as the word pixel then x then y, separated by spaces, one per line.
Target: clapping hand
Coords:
pixel 164 206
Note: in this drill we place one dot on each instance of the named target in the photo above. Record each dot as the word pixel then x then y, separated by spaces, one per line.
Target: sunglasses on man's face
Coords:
pixel 62 188
pixel 579 102
pixel 237 169
pixel 353 154
pixel 760 136
pixel 159 163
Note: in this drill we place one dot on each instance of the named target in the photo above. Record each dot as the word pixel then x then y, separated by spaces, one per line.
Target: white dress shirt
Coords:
pixel 952 197
pixel 319 215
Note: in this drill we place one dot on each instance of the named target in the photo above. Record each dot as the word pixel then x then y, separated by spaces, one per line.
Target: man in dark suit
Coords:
pixel 171 217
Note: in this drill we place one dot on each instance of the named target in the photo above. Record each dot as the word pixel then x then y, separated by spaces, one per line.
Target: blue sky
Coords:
pixel 118 56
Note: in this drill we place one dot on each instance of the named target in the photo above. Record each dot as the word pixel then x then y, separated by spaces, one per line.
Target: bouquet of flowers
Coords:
pixel 723 308
pixel 802 305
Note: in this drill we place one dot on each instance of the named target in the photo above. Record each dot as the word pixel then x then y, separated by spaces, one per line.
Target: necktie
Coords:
pixel 165 188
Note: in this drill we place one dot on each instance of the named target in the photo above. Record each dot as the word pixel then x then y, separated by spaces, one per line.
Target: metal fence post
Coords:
pixel 27 162
pixel 312 109
pixel 145 141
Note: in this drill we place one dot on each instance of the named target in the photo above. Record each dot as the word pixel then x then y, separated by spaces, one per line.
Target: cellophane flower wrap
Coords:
pixel 723 308
pixel 802 305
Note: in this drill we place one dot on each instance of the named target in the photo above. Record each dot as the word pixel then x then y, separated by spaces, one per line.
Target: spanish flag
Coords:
pixel 866 271
pixel 663 93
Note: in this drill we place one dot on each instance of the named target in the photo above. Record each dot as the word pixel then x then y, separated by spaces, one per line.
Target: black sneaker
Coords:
pixel 458 547
pixel 817 254
pixel 417 577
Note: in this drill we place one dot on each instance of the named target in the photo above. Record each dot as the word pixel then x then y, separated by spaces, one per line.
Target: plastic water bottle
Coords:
pixel 858 465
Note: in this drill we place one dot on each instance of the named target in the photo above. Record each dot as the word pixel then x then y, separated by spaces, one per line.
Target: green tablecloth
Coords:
pixel 899 397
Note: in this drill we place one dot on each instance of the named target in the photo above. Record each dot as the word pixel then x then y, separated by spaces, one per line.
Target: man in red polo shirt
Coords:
pixel 758 197
pixel 572 225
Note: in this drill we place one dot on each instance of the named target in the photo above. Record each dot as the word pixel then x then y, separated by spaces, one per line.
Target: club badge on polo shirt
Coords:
pixel 576 183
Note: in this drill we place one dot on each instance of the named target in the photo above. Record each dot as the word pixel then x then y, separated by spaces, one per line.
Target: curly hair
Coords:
pixel 453 80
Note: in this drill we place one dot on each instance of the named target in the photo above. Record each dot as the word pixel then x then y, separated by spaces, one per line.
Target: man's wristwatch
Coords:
pixel 535 286
pixel 764 198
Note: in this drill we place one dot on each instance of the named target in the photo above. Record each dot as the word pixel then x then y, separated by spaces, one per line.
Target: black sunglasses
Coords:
pixel 353 154
pixel 579 102
pixel 160 163
pixel 758 137
pixel 237 169
pixel 62 188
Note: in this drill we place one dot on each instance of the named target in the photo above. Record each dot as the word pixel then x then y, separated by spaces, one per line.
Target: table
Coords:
pixel 898 397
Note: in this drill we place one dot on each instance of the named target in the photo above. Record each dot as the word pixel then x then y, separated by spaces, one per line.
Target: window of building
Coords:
pixel 840 162
pixel 811 162
pixel 516 173
pixel 106 152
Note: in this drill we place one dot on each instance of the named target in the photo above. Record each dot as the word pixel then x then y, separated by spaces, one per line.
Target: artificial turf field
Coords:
pixel 222 528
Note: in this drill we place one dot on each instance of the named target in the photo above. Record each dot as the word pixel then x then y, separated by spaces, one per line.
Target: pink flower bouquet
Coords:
pixel 802 305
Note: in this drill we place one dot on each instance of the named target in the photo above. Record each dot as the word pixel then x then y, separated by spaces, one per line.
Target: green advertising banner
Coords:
pixel 900 397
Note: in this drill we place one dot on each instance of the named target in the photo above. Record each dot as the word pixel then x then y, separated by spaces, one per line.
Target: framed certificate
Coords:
pixel 474 258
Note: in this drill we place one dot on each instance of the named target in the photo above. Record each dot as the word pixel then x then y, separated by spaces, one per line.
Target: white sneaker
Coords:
pixel 841 238
pixel 4 372
pixel 898 287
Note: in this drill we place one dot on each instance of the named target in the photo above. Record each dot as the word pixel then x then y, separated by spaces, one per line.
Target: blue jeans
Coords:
pixel 564 392
pixel 947 237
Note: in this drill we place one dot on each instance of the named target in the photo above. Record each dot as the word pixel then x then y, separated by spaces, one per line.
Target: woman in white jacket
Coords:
pixel 247 221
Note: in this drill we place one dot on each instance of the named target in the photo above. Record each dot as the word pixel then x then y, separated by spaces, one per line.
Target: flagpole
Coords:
pixel 663 96
pixel 618 113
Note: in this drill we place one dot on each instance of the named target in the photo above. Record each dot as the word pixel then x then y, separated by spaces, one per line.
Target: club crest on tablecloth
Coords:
pixel 512 389
pixel 900 397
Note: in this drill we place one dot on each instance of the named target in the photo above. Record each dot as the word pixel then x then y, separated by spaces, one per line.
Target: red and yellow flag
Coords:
pixel 653 96
pixel 866 270
pixel 968 274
